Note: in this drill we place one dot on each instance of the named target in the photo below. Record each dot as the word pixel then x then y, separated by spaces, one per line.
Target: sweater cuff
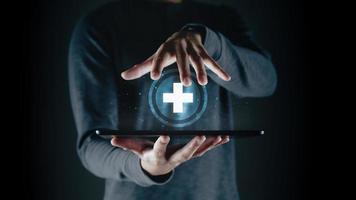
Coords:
pixel 133 169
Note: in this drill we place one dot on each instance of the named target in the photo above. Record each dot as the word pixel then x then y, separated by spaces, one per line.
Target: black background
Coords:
pixel 274 166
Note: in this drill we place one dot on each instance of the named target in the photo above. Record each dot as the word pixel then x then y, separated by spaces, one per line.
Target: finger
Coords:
pixel 225 139
pixel 138 70
pixel 213 65
pixel 160 61
pixel 183 63
pixel 199 67
pixel 187 151
pixel 160 146
pixel 208 145
pixel 126 146
pixel 136 146
pixel 171 149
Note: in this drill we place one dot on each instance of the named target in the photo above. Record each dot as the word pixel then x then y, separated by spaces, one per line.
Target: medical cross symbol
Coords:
pixel 177 98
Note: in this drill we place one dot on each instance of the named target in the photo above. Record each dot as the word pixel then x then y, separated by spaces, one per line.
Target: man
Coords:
pixel 211 42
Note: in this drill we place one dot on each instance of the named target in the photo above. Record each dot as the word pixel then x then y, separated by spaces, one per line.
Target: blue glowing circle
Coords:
pixel 164 111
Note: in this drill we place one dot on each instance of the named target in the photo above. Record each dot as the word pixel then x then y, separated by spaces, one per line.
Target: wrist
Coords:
pixel 160 178
pixel 196 29
pixel 149 170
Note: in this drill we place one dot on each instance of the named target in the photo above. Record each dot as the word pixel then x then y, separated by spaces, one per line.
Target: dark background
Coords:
pixel 274 166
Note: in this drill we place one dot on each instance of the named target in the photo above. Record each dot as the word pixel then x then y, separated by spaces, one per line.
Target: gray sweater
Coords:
pixel 121 34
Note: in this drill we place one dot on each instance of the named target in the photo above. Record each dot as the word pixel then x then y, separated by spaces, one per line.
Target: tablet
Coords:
pixel 147 133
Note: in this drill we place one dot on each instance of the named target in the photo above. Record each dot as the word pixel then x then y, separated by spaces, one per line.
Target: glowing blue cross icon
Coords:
pixel 178 98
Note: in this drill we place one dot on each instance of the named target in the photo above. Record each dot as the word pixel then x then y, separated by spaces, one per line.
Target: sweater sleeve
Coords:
pixel 94 99
pixel 251 70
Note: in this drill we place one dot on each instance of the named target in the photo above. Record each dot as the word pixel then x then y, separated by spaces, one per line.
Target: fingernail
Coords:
pixel 154 75
pixel 203 81
pixel 123 75
pixel 202 139
pixel 187 82
pixel 165 139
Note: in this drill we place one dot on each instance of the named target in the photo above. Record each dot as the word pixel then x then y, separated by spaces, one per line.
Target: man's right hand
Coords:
pixel 159 158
